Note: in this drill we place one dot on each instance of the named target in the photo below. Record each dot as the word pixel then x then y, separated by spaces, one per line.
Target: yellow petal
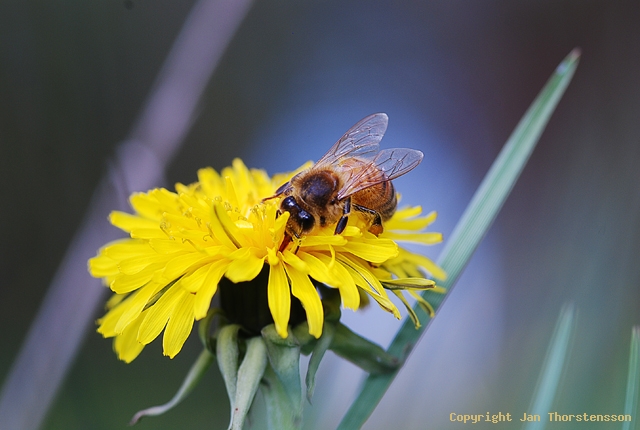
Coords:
pixel 179 325
pixel 108 322
pixel 102 266
pixel 135 304
pixel 115 300
pixel 209 288
pixel 373 250
pixel 295 261
pixel 165 245
pixel 410 311
pixel 156 317
pixel 319 271
pixel 148 233
pixel 231 192
pixel 133 265
pixel 427 238
pixel 210 182
pixel 406 212
pixel 302 288
pixel 369 283
pixel 348 289
pixel 244 266
pixel 126 283
pixel 126 345
pixel 425 305
pixel 425 263
pixel 224 228
pixel 193 281
pixel 128 222
pixel 183 263
pixel 154 203
pixel 309 242
pixel 279 298
pixel 127 248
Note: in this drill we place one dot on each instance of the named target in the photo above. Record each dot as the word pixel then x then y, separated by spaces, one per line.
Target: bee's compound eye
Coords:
pixel 306 220
pixel 288 204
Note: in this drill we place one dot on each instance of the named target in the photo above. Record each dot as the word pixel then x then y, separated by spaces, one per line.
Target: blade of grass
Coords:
pixel 633 380
pixel 471 228
pixel 552 368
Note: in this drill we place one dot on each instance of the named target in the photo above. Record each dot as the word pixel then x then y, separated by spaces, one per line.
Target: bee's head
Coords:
pixel 300 221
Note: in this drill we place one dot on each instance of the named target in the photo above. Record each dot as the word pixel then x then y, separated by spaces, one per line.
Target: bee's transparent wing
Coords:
pixel 360 141
pixel 387 165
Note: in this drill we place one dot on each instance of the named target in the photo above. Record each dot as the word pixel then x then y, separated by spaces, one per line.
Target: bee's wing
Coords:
pixel 360 141
pixel 387 165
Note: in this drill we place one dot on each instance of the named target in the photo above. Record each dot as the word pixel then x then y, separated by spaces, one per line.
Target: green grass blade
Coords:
pixel 633 380
pixel 472 227
pixel 552 368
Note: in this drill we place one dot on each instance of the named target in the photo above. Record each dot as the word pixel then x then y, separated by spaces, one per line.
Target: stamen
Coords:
pixel 224 227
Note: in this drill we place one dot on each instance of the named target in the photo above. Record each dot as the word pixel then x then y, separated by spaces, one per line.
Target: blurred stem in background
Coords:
pixel 554 364
pixel 633 381
pixel 73 296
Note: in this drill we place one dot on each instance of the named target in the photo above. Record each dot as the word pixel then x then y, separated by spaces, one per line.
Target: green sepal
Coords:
pixel 227 352
pixel 361 352
pixel 279 412
pixel 284 358
pixel 250 373
pixel 203 329
pixel 193 377
pixel 307 342
pixel 321 346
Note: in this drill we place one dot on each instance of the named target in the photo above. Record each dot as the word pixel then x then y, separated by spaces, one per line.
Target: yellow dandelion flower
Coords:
pixel 185 245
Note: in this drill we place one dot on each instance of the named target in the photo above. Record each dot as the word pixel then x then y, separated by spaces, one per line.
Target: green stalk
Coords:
pixel 551 372
pixel 633 380
pixel 471 228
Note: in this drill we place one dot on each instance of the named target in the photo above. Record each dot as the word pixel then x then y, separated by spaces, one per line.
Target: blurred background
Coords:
pixel 454 77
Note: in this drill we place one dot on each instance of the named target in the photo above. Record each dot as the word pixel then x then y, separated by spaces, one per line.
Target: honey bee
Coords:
pixel 353 175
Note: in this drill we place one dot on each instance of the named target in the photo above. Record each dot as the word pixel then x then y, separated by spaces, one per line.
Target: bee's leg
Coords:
pixel 342 223
pixel 376 226
pixel 285 241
